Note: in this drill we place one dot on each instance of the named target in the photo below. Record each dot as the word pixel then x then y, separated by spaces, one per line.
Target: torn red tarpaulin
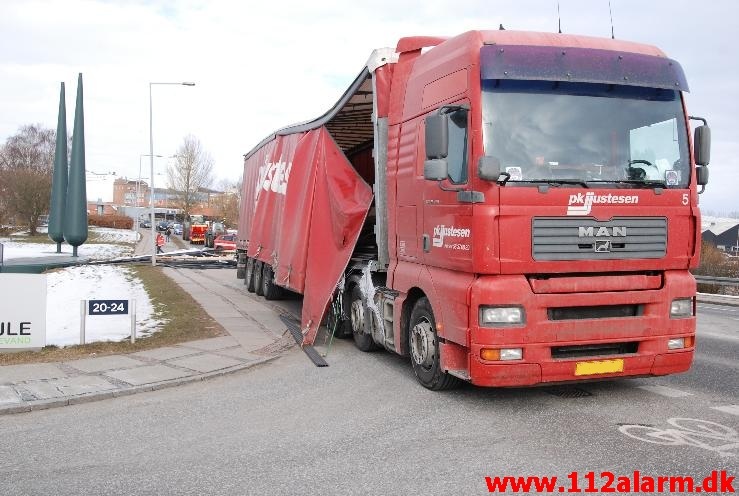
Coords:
pixel 309 205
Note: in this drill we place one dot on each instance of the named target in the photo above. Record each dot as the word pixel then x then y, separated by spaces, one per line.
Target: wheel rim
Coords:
pixel 423 344
pixel 357 316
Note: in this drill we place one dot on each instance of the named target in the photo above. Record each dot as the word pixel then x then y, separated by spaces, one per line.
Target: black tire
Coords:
pixel 356 306
pixel 249 275
pixel 258 287
pixel 270 290
pixel 423 344
pixel 240 265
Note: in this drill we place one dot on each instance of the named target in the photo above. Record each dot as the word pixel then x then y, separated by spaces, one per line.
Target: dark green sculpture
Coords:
pixel 59 180
pixel 75 215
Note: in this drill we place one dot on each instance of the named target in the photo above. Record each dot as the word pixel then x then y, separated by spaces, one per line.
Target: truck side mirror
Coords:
pixel 702 146
pixel 488 168
pixel 437 136
pixel 435 169
pixel 701 175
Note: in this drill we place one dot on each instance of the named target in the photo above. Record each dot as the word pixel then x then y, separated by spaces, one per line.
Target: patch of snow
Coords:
pixel 113 245
pixel 109 235
pixel 67 287
pixel 18 249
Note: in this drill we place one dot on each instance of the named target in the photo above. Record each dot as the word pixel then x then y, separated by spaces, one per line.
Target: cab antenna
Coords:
pixel 610 13
pixel 559 19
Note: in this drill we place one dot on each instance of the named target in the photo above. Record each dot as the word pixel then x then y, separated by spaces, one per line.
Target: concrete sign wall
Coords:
pixel 22 311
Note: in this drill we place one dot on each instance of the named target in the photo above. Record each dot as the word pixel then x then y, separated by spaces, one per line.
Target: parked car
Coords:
pixel 163 225
pixel 145 224
pixel 225 242
pixel 177 229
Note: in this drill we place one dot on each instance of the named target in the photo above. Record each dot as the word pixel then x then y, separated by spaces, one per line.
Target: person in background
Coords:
pixel 160 243
pixel 168 233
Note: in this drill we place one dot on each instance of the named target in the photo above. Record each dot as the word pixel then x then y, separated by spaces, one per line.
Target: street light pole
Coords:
pixel 151 164
pixel 138 183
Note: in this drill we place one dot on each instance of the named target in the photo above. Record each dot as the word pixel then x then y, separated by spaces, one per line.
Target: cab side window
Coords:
pixel 457 156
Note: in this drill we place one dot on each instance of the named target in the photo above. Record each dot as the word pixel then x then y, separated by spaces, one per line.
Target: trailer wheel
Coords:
pixel 258 287
pixel 249 274
pixel 424 349
pixel 240 265
pixel 270 290
pixel 362 337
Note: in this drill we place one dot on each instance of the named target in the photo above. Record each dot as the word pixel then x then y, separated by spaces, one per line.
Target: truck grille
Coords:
pixel 584 238
pixel 594 350
pixel 594 312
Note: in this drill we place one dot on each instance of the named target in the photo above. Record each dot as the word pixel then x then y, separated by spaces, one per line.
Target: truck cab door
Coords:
pixel 447 215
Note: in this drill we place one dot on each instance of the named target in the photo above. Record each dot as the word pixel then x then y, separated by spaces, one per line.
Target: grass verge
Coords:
pixel 185 321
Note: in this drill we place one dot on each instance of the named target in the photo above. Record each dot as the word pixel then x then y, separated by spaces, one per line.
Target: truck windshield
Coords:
pixel 589 134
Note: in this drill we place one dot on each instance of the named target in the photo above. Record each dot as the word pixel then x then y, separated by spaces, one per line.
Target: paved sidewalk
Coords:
pixel 255 335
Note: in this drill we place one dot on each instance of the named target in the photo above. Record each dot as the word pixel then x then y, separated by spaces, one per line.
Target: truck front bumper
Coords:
pixel 558 350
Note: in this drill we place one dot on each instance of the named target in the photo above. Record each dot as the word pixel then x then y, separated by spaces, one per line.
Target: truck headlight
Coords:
pixel 681 307
pixel 501 316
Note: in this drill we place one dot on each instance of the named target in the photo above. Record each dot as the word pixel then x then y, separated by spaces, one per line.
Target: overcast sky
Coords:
pixel 259 66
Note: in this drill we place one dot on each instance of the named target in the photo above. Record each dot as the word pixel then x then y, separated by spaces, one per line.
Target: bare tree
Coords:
pixel 26 165
pixel 192 170
pixel 227 204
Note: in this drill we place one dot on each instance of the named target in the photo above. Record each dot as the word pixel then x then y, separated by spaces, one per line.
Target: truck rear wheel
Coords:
pixel 240 265
pixel 258 288
pixel 270 290
pixel 424 349
pixel 249 274
pixel 362 337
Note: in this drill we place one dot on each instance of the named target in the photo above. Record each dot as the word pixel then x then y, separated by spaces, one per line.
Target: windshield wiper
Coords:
pixel 646 183
pixel 557 182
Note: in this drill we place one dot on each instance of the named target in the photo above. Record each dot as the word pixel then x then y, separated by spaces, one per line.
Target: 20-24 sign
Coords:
pixel 107 307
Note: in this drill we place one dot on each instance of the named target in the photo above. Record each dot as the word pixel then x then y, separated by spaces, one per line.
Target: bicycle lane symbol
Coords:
pixel 698 433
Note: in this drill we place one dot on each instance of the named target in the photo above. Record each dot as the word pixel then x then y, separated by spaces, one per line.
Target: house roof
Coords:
pixel 718 225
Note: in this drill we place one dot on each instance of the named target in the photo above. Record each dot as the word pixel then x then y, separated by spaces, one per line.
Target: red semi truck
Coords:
pixel 505 208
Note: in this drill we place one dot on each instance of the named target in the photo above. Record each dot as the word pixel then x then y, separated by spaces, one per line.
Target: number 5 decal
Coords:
pixel 686 200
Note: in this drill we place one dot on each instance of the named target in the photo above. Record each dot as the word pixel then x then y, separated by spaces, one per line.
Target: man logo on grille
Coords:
pixel 602 246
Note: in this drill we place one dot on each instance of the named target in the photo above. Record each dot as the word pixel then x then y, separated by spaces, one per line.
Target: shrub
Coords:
pixel 714 262
pixel 115 221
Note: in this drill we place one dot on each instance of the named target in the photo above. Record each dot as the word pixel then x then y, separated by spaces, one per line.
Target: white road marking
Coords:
pixel 665 391
pixel 732 409
pixel 697 433
pixel 717 335
pixel 718 308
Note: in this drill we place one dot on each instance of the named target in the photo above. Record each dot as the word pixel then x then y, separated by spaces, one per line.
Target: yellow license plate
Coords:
pixel 599 367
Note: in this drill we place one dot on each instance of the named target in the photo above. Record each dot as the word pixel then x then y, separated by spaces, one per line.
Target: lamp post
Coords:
pixel 138 183
pixel 151 164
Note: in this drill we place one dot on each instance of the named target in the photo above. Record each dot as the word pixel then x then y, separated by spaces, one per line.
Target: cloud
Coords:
pixel 259 66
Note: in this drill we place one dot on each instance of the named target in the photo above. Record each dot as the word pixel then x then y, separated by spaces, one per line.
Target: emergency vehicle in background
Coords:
pixel 197 233
pixel 505 208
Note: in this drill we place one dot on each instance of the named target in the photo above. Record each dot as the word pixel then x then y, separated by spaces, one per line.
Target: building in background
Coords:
pixel 108 194
pixel 100 189
pixel 130 193
pixel 722 233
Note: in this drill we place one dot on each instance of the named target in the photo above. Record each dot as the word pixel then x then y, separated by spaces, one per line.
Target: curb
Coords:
pixel 104 395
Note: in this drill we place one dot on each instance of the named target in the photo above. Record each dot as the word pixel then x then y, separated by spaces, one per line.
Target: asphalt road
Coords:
pixel 364 426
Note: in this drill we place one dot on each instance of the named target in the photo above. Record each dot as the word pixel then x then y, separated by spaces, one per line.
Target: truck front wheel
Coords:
pixel 249 275
pixel 258 288
pixel 424 349
pixel 362 337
